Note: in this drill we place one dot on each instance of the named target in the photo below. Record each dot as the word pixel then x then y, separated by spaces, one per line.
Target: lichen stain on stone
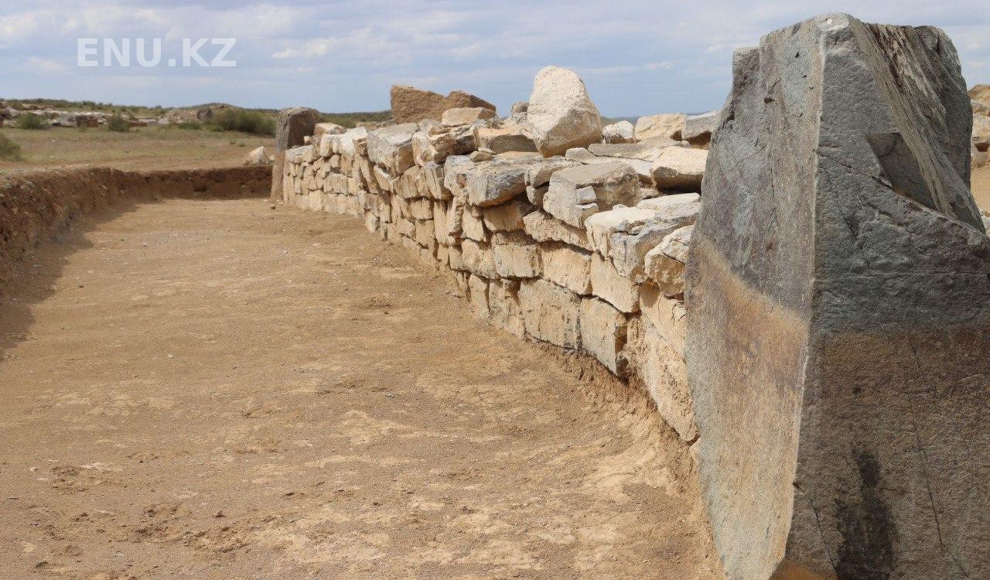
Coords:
pixel 867 527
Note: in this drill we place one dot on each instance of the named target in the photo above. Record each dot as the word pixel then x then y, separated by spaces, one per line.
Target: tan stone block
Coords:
pixel 608 284
pixel 516 255
pixel 551 313
pixel 664 374
pixel 603 332
pixel 567 266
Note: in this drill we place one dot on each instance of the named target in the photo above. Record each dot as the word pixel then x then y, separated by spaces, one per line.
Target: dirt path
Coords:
pixel 216 390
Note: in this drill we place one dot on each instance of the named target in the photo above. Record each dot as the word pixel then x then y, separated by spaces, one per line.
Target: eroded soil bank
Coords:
pixel 212 389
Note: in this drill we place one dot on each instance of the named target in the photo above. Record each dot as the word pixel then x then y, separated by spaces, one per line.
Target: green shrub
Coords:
pixel 9 151
pixel 31 121
pixel 244 121
pixel 190 125
pixel 118 124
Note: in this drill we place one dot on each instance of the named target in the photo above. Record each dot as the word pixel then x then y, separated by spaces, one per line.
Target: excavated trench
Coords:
pixel 198 386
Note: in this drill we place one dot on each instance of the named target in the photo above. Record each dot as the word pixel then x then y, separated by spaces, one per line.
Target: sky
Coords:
pixel 637 57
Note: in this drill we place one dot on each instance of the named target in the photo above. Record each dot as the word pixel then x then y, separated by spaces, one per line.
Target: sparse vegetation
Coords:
pixel 9 151
pixel 350 120
pixel 242 120
pixel 190 125
pixel 118 124
pixel 31 122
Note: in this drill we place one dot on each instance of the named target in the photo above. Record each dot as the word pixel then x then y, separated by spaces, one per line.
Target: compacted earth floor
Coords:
pixel 213 389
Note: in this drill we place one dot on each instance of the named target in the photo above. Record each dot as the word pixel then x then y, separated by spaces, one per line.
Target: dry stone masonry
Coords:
pixel 546 238
pixel 830 365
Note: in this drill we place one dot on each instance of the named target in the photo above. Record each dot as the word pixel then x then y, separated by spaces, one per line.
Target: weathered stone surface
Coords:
pixel 680 168
pixel 551 313
pixel 391 147
pixel 516 255
pixel 664 264
pixel 643 169
pixel 698 129
pixel 478 288
pixel 434 148
pixel 560 114
pixel 544 228
pixel 656 363
pixel 503 139
pixel 621 132
pixel 328 129
pixel 608 284
pixel 667 315
pixel 667 126
pixel 466 115
pixel 508 216
pixel 292 126
pixel 838 321
pixel 496 181
pixel 478 259
pixel 412 105
pixel 503 300
pixel 567 266
pixel 603 331
pixel 569 205
pixel 625 235
pixel 258 157
pixel 578 192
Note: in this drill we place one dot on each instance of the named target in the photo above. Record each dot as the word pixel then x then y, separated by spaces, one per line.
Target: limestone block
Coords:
pixel 680 168
pixel 516 255
pixel 608 284
pixel 664 264
pixel 478 259
pixel 473 227
pixel 544 228
pixel 698 129
pixel 560 114
pixel 621 132
pixel 578 192
pixel 667 315
pixel 569 205
pixel 508 216
pixel 466 115
pixel 837 292
pixel 455 171
pixel 479 296
pixel 567 266
pixel 603 331
pixel 503 139
pixel 506 313
pixel 550 313
pixel 655 363
pixel 497 181
pixel 391 147
pixel 667 126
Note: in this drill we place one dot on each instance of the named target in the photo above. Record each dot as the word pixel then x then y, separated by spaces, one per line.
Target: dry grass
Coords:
pixel 139 148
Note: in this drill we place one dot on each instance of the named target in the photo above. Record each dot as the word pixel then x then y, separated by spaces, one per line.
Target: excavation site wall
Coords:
pixel 35 205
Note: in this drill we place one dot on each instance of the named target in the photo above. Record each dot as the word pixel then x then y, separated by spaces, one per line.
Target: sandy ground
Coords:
pixel 212 389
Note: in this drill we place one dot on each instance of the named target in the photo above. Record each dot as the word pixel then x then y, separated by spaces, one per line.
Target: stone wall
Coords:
pixel 584 250
pixel 838 291
pixel 34 205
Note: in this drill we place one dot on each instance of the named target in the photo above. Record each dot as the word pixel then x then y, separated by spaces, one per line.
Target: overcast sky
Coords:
pixel 636 56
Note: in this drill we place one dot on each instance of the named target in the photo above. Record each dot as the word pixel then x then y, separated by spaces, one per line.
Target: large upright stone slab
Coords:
pixel 293 124
pixel 838 301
